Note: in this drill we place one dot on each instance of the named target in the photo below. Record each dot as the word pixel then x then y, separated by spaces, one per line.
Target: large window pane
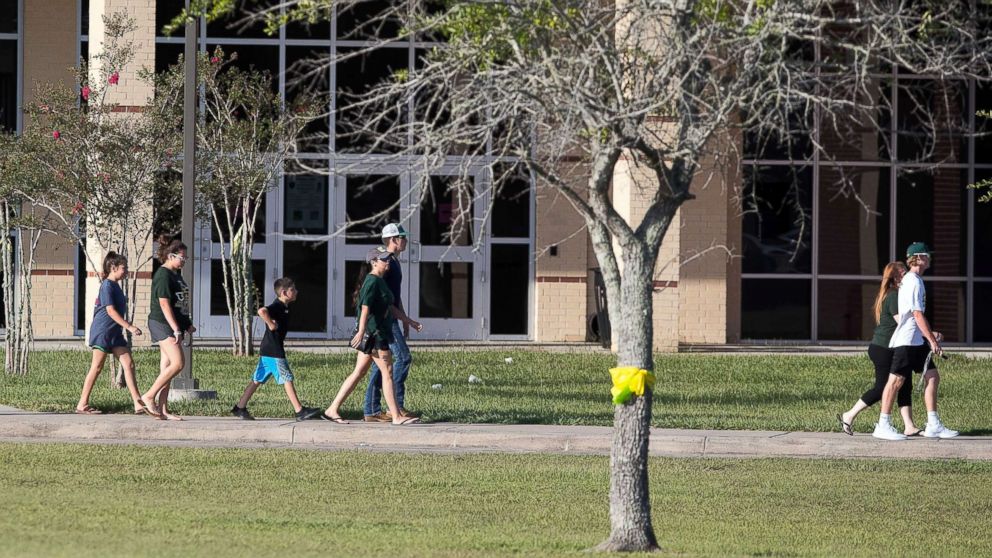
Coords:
pixel 446 215
pixel 260 58
pixel 932 121
pixel 167 55
pixel 777 205
pixel 305 204
pixel 372 202
pixel 236 24
pixel 511 204
pixel 931 207
pixel 946 308
pixel 307 74
pixel 306 264
pixel 236 220
pixel 320 29
pixel 357 73
pixel 775 309
pixel 165 12
pixel 218 299
pixel 854 220
pixel 508 288
pixel 367 19
pixel 983 231
pixel 983 312
pixel 845 310
pixel 983 125
pixel 8 16
pixel 445 290
pixel 859 133
pixel 8 85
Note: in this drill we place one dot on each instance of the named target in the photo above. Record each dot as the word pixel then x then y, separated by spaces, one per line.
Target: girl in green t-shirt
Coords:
pixel 372 336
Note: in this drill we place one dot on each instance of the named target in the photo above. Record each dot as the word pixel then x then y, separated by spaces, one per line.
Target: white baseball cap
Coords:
pixel 393 229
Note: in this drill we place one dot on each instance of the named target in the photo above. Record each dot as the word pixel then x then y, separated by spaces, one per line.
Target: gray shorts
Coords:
pixel 159 331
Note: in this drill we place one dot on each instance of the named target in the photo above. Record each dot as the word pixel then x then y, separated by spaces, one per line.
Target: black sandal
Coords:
pixel 336 420
pixel 845 426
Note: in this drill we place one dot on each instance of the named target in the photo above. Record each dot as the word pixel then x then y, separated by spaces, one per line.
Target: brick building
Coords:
pixel 801 265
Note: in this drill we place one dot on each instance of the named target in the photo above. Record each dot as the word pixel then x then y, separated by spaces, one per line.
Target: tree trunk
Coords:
pixel 630 505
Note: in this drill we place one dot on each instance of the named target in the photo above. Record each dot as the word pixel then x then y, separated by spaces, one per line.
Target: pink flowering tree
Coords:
pixel 105 162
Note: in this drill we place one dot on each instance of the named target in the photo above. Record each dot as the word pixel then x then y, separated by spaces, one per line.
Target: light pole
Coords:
pixel 185 386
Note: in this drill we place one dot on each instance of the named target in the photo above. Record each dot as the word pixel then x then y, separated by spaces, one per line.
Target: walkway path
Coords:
pixel 24 426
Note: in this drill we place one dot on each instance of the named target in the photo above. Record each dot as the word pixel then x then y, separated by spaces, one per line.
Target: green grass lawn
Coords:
pixel 80 500
pixel 693 391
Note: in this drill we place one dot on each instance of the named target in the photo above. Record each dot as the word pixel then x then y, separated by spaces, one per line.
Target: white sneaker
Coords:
pixel 938 430
pixel 886 432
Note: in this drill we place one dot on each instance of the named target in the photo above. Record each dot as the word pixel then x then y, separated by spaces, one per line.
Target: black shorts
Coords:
pixel 374 343
pixel 159 331
pixel 881 357
pixel 912 358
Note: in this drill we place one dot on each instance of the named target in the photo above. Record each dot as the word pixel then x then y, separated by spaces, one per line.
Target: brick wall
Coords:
pixel 130 91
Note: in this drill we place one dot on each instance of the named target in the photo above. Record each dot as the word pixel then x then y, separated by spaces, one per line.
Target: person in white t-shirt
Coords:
pixel 912 343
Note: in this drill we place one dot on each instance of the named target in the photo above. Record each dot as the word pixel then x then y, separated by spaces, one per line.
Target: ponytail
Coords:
pixel 110 261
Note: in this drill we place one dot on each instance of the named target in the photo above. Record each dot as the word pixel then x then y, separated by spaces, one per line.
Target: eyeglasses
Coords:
pixel 179 257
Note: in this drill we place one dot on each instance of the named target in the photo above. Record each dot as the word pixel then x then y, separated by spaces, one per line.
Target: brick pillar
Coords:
pixel 131 94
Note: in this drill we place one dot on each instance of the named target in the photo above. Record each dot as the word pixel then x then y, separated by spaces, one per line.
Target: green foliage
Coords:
pixel 261 502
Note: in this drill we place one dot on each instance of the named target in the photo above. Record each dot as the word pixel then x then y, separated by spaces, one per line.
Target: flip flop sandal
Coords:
pixel 140 411
pixel 151 410
pixel 918 432
pixel 845 426
pixel 407 421
pixel 335 420
pixel 87 410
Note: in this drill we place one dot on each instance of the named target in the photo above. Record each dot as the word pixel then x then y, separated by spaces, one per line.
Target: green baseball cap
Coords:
pixel 918 249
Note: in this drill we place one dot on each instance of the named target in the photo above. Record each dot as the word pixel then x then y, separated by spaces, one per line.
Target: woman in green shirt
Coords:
pixel 168 322
pixel 885 308
pixel 372 336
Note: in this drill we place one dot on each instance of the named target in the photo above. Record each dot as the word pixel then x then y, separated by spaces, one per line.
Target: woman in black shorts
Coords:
pixel 373 334
pixel 886 307
pixel 168 322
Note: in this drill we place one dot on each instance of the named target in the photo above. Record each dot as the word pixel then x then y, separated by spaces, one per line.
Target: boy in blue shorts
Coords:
pixel 272 361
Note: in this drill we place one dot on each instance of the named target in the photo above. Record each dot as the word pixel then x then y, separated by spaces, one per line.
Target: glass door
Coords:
pixel 364 203
pixel 305 253
pixel 446 274
pixel 210 313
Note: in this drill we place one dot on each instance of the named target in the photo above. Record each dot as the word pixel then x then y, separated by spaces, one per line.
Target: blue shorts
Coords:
pixel 275 367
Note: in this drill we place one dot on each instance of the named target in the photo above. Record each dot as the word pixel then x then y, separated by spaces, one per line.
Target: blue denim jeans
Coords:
pixel 401 367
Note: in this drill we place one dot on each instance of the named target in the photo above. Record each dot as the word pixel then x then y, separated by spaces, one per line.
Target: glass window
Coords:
pixel 306 72
pixel 165 12
pixel 854 222
pixel 320 29
pixel 8 16
pixel 777 203
pixel 261 58
pixel 931 207
pixel 983 230
pixel 859 134
pixel 511 202
pixel 305 204
pixel 844 310
pixel 8 85
pixel 357 73
pixel 932 121
pixel 509 288
pixel 983 125
pixel 775 309
pixel 946 308
pixel 445 290
pixel 367 19
pixel 446 215
pixel 372 201
pixel 236 220
pixel 218 299
pixel 306 264
pixel 983 312
pixel 235 24
pixel 167 55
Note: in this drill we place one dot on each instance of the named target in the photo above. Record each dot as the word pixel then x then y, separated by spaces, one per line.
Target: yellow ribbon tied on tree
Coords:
pixel 629 380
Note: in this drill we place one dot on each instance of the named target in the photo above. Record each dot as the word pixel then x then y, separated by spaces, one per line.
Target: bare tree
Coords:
pixel 573 90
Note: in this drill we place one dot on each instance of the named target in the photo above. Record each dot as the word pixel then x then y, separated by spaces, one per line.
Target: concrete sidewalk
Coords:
pixel 23 426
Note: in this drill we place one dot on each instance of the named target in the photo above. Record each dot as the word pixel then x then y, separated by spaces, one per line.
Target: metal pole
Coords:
pixel 185 380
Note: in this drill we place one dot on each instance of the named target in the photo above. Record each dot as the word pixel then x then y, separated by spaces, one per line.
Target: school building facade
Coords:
pixel 799 264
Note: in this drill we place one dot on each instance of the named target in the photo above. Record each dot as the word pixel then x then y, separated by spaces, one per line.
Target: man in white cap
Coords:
pixel 394 240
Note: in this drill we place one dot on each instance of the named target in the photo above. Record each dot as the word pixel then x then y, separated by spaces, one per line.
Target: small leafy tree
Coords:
pixel 244 139
pixel 104 164
pixel 21 228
